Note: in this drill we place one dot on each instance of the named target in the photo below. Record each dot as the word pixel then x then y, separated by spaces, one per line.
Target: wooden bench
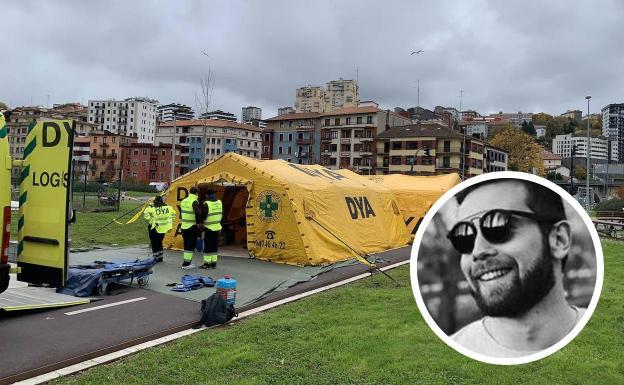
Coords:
pixel 608 227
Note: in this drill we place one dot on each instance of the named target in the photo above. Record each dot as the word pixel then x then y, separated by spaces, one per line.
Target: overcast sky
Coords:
pixel 505 55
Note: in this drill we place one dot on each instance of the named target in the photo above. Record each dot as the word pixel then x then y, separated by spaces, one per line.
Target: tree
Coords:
pixel 529 128
pixel 580 172
pixel 541 118
pixel 524 152
pixel 553 175
pixel 3 106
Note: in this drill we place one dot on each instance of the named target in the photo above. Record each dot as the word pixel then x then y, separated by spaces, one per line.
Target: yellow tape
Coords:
pixel 135 217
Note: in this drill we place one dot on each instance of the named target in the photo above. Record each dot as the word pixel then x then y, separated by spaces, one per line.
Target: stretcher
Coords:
pixel 86 280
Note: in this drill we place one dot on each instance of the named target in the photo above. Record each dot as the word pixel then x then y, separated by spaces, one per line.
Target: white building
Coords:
pixel 182 112
pixel 613 127
pixel 219 115
pixel 250 113
pixel 496 159
pixel 562 146
pixel 133 117
pixel 478 128
pixel 220 136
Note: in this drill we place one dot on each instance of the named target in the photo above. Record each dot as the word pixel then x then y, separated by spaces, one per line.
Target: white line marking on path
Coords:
pixel 133 349
pixel 105 306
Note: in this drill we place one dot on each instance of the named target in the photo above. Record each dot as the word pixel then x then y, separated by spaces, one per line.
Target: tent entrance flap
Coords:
pixel 234 198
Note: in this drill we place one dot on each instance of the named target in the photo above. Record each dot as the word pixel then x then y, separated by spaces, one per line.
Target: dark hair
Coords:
pixel 541 200
pixel 193 190
pixel 158 201
pixel 210 194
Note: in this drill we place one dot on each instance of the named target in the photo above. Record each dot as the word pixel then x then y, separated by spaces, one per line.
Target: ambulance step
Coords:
pixel 28 298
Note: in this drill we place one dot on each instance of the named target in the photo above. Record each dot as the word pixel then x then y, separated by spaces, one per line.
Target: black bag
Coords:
pixel 215 311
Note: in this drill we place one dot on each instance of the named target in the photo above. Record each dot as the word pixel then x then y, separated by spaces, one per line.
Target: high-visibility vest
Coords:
pixel 150 216
pixel 215 212
pixel 164 218
pixel 188 215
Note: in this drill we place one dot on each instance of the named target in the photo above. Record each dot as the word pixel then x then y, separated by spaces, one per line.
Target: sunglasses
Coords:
pixel 495 226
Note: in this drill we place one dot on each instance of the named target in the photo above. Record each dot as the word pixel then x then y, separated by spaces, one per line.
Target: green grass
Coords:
pixel 369 332
pixel 88 231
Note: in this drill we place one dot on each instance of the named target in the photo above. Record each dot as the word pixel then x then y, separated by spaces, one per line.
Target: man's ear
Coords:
pixel 560 240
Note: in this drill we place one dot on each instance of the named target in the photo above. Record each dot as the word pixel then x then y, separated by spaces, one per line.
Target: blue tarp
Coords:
pixel 82 279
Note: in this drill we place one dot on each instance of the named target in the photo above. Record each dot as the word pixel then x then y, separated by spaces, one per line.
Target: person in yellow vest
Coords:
pixel 212 227
pixel 191 225
pixel 159 219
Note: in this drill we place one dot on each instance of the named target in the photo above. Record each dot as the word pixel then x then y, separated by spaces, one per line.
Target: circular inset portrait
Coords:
pixel 506 268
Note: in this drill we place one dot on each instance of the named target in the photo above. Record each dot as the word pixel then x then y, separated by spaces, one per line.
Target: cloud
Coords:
pixel 510 56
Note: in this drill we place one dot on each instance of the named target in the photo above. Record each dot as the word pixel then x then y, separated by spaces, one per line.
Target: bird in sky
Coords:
pixel 417 52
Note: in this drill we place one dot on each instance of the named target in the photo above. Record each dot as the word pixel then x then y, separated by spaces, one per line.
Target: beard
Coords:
pixel 522 293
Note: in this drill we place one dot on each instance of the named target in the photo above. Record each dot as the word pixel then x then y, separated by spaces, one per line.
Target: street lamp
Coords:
pixel 587 197
pixel 426 152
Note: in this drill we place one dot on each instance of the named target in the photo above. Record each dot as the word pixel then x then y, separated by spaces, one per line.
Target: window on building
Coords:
pixel 348 120
pixel 397 145
pixel 395 160
pixel 334 134
pixel 290 137
pixel 369 120
pixel 337 122
pixel 358 120
pixel 327 122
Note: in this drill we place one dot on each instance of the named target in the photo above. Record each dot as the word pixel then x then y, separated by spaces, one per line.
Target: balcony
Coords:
pixel 104 145
pixel 345 154
pixel 304 141
pixel 366 152
pixel 326 139
pixel 345 140
pixel 449 151
pixel 301 154
pixel 305 128
pixel 366 139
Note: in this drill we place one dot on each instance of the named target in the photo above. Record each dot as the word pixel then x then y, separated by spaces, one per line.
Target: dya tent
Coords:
pixel 297 214
pixel 416 194
pixel 413 194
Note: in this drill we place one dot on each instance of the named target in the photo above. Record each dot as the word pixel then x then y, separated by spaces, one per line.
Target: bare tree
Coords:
pixel 207 88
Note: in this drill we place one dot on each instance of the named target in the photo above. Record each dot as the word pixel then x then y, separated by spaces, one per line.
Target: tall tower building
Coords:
pixel 340 94
pixel 250 113
pixel 613 127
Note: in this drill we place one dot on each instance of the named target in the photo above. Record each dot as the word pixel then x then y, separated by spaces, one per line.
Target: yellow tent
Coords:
pixel 414 194
pixel 295 214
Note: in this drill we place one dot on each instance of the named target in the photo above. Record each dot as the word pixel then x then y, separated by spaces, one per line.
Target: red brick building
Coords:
pixel 145 162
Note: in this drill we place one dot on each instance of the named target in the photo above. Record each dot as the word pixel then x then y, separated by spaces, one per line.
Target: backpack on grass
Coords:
pixel 215 311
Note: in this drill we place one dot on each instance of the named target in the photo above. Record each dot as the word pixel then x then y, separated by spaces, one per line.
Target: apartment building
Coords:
pixel 599 147
pixel 105 154
pixel 495 159
pixel 285 111
pixel 310 99
pixel 515 118
pixel 573 114
pixel 203 140
pixel 250 113
pixel 130 117
pixel 613 127
pixel 293 137
pixel 401 150
pixel 219 115
pixel 348 136
pixel 80 156
pixel 166 112
pixel 146 162
pixel 341 94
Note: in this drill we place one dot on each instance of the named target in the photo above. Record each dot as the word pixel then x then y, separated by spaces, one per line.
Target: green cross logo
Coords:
pixel 268 206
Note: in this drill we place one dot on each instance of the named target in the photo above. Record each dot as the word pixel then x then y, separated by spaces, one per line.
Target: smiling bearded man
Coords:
pixel 514 240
